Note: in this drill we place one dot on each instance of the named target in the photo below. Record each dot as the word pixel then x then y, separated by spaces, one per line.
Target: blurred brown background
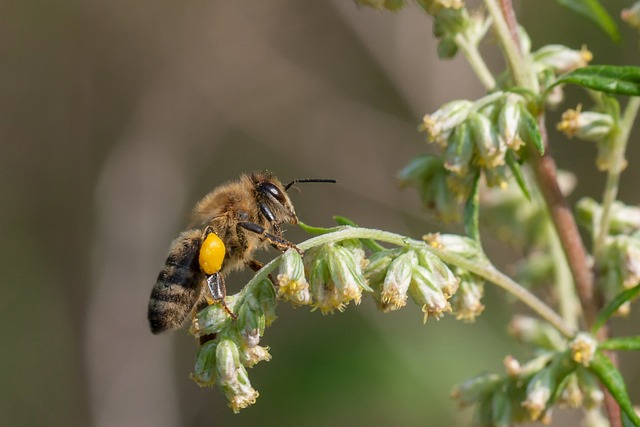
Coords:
pixel 115 117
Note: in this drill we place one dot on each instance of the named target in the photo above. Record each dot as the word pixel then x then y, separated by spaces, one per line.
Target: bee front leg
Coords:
pixel 218 291
pixel 277 242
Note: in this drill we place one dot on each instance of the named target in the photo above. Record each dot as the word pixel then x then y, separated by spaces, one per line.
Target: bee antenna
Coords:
pixel 286 187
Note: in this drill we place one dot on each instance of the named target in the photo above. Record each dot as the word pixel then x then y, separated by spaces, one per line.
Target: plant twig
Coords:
pixel 484 270
pixel 471 53
pixel 616 168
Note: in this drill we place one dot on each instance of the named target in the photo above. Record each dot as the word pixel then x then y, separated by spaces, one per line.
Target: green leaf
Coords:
pixel 611 378
pixel 529 130
pixel 613 306
pixel 624 343
pixel 513 164
pixel 593 11
pixel 316 230
pixel 620 80
pixel 472 210
pixel 371 244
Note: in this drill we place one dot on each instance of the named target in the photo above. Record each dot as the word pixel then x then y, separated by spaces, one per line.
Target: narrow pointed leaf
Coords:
pixel 611 378
pixel 605 78
pixel 530 133
pixel 316 230
pixel 513 164
pixel 613 306
pixel 472 210
pixel 624 343
pixel 593 11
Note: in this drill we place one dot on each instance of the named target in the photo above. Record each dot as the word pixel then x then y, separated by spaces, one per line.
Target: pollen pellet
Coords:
pixel 212 253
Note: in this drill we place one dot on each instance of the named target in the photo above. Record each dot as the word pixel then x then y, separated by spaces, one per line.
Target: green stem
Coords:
pixel 617 166
pixel 484 270
pixel 471 52
pixel 522 73
pixel 567 300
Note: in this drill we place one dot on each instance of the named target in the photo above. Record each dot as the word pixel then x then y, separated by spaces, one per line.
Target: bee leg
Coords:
pixel 218 291
pixel 275 241
pixel 256 265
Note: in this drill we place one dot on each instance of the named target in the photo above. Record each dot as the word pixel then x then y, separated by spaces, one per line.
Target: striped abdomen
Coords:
pixel 179 284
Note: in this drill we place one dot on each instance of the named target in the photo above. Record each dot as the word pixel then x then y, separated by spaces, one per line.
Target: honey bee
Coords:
pixel 229 224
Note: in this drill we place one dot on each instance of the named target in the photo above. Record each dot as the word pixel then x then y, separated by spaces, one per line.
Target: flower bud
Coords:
pixel 394 290
pixel 428 175
pixel 440 275
pixel 379 262
pixel 586 125
pixel 440 124
pixel 425 293
pixel 459 245
pixel 211 319
pixel 623 219
pixel 250 356
pixel 512 366
pixel 583 348
pixel 346 272
pixel 251 321
pixel 491 147
pixel 561 59
pixel 509 121
pixel 571 396
pixel 232 377
pixel 619 264
pixel 537 332
pixel 632 15
pixel 466 302
pixel 475 389
pixel 266 297
pixel 432 7
pixel 539 392
pixel 459 152
pixel 205 367
pixel 293 285
pixel 590 387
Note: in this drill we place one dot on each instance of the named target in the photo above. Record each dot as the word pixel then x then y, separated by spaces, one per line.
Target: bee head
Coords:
pixel 272 199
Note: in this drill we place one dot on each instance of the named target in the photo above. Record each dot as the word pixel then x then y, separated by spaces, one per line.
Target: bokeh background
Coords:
pixel 115 117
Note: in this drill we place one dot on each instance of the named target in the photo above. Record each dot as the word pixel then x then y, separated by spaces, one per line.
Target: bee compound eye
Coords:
pixel 273 190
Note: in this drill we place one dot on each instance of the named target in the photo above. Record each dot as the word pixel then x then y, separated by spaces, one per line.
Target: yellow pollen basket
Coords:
pixel 212 253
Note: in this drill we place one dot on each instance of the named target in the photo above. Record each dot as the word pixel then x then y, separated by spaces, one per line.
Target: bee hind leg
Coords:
pixel 218 290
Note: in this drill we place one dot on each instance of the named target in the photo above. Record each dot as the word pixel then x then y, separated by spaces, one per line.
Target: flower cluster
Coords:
pixel 483 136
pixel 230 346
pixel 528 392
pixel 553 60
pixel 395 274
pixel 618 263
pixel 335 273
pixel 328 278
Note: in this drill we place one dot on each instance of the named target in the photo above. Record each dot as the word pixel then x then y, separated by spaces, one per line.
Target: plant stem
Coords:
pixel 470 51
pixel 567 301
pixel 519 66
pixel 617 166
pixel 546 173
pixel 482 269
